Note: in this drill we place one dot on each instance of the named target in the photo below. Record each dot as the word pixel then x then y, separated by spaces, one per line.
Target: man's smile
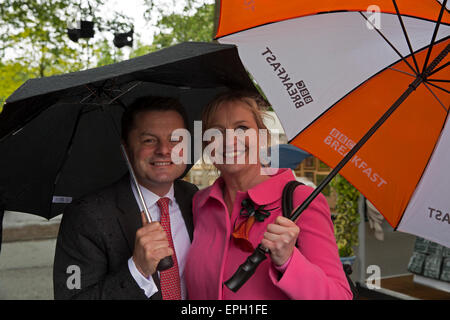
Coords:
pixel 161 163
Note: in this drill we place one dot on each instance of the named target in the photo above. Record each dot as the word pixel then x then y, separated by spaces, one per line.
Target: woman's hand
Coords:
pixel 280 238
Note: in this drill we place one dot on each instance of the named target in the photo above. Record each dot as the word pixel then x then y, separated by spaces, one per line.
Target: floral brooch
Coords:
pixel 252 213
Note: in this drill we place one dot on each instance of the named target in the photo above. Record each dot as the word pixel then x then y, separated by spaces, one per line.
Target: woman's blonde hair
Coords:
pixel 256 104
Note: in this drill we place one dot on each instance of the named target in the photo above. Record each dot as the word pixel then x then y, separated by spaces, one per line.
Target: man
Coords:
pixel 105 248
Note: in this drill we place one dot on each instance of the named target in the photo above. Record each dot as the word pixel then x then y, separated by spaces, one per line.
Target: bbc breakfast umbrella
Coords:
pixel 364 86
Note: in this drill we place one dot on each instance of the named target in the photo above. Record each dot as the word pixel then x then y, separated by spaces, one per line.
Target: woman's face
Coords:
pixel 238 147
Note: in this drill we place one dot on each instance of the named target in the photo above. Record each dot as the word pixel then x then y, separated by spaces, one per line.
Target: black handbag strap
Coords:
pixel 287 208
pixel 287 197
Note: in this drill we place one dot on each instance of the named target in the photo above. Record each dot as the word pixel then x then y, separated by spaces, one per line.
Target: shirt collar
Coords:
pixel 150 197
pixel 271 190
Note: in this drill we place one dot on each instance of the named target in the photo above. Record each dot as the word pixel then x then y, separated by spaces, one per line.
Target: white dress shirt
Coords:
pixel 180 237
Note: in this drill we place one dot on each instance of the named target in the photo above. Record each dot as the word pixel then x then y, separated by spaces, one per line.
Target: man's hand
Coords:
pixel 150 247
pixel 280 238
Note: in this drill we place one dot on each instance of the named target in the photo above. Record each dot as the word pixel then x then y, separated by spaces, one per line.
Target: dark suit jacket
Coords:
pixel 97 234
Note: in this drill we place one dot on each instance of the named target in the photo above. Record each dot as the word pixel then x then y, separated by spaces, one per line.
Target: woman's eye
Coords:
pixel 244 128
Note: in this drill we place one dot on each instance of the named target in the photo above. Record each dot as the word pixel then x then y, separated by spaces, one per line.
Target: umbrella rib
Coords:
pixel 87 97
pixel 125 92
pixel 434 95
pixel 438 80
pixel 409 74
pixel 390 44
pixel 93 92
pixel 440 68
pixel 433 38
pixel 406 36
pixel 436 86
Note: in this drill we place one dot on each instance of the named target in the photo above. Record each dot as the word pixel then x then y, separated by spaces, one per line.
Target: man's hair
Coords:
pixel 150 103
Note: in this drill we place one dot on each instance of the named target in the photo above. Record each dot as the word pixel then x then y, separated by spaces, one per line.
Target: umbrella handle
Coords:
pixel 247 269
pixel 167 262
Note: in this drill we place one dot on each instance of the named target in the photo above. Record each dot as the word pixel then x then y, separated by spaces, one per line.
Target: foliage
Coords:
pixel 35 31
pixel 34 41
pixel 104 54
pixel 176 28
pixel 347 219
pixel 195 23
pixel 12 75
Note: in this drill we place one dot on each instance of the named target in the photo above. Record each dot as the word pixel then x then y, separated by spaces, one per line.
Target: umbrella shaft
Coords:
pixel 372 130
pixel 136 184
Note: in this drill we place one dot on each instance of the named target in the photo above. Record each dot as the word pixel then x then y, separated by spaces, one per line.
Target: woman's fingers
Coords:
pixel 284 238
pixel 280 239
pixel 283 226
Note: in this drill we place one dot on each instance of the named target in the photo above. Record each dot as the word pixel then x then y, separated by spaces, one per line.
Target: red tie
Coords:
pixel 170 278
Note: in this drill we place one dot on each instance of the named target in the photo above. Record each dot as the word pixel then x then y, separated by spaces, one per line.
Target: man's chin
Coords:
pixel 166 175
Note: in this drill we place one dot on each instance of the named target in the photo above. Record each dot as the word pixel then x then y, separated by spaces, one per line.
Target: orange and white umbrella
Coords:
pixel 365 87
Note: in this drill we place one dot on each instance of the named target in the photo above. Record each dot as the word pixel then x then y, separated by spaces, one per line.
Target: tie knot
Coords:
pixel 163 204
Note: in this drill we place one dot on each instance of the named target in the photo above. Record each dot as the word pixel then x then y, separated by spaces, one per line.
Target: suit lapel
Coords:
pixel 130 218
pixel 185 203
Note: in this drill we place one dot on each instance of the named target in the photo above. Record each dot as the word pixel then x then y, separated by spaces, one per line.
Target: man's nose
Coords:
pixel 164 148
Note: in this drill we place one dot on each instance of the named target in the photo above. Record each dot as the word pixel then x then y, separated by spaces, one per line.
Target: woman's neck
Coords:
pixel 240 181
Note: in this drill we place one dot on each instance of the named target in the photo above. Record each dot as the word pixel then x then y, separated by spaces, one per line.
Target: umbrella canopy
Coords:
pixel 338 73
pixel 289 156
pixel 60 135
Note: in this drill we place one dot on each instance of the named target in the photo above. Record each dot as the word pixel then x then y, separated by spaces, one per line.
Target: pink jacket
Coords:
pixel 314 271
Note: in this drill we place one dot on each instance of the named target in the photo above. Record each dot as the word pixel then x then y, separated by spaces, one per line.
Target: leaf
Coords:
pixel 347 219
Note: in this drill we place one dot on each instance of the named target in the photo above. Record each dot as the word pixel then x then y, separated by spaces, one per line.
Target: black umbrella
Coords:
pixel 58 139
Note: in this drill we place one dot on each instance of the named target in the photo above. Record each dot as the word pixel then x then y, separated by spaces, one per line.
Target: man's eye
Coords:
pixel 150 141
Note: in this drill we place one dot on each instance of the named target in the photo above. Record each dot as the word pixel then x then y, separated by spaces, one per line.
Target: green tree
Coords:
pixel 347 218
pixel 105 54
pixel 12 75
pixel 176 28
pixel 194 23
pixel 34 40
pixel 34 33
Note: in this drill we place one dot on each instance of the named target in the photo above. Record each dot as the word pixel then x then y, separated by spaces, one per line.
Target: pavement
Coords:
pixel 26 258
pixel 391 255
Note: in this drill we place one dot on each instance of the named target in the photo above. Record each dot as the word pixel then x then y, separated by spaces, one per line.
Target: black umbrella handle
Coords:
pixel 247 269
pixel 165 263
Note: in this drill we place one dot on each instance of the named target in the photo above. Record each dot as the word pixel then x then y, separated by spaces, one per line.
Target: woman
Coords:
pixel 243 208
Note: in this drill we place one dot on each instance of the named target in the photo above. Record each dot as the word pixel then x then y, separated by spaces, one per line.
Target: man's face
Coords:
pixel 149 148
